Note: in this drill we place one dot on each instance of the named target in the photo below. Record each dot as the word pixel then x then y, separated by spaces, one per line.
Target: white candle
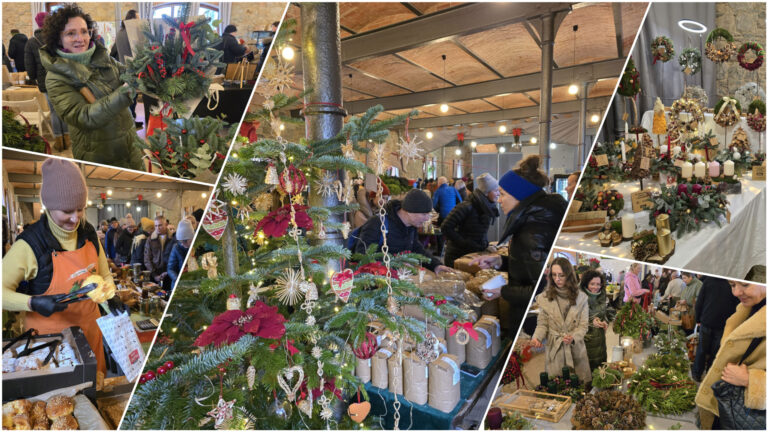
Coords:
pixel 699 169
pixel 687 170
pixel 628 225
pixel 664 149
pixel 626 130
pixel 676 150
pixel 714 169
pixel 623 153
pixel 728 168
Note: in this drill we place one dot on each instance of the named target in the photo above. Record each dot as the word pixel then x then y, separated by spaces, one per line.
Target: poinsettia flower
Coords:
pixel 376 269
pixel 276 223
pixel 682 189
pixel 259 320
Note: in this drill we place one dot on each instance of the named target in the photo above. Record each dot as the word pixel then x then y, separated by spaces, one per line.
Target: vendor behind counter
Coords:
pixel 53 254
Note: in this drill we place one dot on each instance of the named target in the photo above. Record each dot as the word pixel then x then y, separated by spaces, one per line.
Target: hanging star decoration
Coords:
pixel 253 293
pixel 348 149
pixel 289 287
pixel 244 212
pixel 378 156
pixel 235 184
pixel 326 412
pixel 283 76
pixel 262 202
pixel 410 149
pixel 325 184
pixel 222 413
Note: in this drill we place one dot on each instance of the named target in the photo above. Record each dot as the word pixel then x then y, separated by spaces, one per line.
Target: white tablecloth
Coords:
pixel 753 136
pixel 729 251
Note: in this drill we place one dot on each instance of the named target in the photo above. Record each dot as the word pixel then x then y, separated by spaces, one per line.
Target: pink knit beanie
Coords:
pixel 63 186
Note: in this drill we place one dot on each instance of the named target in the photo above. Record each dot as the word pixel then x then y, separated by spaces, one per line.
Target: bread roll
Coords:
pixel 21 422
pixel 59 406
pixel 22 406
pixel 66 422
pixel 38 410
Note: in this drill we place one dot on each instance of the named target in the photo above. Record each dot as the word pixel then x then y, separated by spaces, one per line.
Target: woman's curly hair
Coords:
pixel 54 24
pixel 587 277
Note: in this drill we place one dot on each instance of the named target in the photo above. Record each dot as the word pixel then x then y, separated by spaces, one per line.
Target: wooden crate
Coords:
pixel 584 221
pixel 533 404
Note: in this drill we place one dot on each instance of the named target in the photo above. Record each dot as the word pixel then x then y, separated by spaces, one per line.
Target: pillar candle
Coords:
pixel 623 152
pixel 687 170
pixel 728 168
pixel 628 225
pixel 699 170
pixel 544 378
pixel 566 372
pixel 714 169
pixel 552 387
pixel 663 149
pixel 574 380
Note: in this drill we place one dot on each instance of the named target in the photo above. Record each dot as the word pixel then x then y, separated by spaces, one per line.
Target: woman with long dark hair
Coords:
pixel 593 285
pixel 563 321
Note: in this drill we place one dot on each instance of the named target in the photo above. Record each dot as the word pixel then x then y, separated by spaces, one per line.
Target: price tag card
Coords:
pixel 645 163
pixel 641 201
pixel 575 206
pixel 601 159
pixel 758 172
pixel 713 141
pixel 679 163
pixel 625 117
pixel 121 337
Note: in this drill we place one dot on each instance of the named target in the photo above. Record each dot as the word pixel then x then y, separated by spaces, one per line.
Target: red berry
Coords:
pixel 169 365
pixel 222 369
pixel 183 131
pixel 142 379
pixel 161 370
pixel 202 141
pixel 150 375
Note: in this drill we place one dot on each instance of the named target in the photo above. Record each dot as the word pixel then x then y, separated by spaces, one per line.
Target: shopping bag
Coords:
pixel 121 337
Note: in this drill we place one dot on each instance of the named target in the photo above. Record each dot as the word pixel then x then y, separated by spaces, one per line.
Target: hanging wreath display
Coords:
pixel 756 115
pixel 690 61
pixel 759 56
pixel 727 112
pixel 662 49
pixel 723 52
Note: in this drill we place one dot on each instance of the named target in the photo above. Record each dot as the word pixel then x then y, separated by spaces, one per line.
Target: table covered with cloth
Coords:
pixel 724 135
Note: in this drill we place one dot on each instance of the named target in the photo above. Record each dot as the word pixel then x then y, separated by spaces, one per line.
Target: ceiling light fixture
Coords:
pixel 595 118
pixel 138 208
pixel 534 140
pixel 692 26
pixel 430 135
pixel 109 209
pixel 90 203
pixel 128 204
pixel 458 152
pixel 473 144
pixel 159 194
pixel 444 106
pixel 502 129
pixel 204 195
pixel 502 149
pixel 552 146
pixel 573 89
pixel 109 192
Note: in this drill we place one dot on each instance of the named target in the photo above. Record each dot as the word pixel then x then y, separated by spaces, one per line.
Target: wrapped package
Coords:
pixel 455 275
pixel 444 383
pixel 379 367
pixel 363 370
pixel 395 370
pixel 456 349
pixel 437 330
pixel 494 327
pixel 464 265
pixel 450 289
pixel 479 351
pixel 476 283
pixel 415 379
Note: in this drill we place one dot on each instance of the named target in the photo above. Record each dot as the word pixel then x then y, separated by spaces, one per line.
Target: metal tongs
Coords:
pixel 81 294
pixel 30 335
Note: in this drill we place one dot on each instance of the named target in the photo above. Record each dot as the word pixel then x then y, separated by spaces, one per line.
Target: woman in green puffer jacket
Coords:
pixel 84 85
pixel 600 314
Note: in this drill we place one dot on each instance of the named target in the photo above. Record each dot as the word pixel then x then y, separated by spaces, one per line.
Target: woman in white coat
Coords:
pixel 563 321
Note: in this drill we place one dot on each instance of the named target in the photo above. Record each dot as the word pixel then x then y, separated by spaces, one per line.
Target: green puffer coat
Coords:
pixel 104 131
pixel 597 351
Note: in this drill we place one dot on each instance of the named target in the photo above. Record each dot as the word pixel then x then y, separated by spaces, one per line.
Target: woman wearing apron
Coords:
pixel 53 254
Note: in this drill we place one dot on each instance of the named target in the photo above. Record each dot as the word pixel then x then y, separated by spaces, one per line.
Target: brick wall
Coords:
pixel 746 22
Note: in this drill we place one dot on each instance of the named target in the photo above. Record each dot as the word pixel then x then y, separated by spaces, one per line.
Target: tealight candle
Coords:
pixel 699 169
pixel 728 168
pixel 714 169
pixel 687 170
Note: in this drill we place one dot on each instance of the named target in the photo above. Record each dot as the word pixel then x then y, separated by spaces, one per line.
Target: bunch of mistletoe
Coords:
pixel 632 321
pixel 689 206
pixel 190 148
pixel 175 66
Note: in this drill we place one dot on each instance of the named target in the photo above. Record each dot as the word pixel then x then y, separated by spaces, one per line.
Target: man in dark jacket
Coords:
pixel 233 51
pixel 714 305
pixel 403 220
pixel 466 227
pixel 124 243
pixel 444 199
pixel 157 251
pixel 16 49
pixel 113 233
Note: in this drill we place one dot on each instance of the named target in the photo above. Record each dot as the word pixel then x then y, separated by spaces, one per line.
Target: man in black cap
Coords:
pixel 233 50
pixel 403 220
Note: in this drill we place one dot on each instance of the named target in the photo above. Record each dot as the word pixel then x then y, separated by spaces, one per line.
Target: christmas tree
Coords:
pixel 285 358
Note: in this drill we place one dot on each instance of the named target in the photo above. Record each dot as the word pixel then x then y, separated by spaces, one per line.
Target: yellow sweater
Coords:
pixel 20 264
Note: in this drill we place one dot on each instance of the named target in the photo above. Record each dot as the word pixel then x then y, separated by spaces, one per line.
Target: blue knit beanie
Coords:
pixel 517 186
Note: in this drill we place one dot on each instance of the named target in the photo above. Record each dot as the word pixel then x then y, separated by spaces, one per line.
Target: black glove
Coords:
pixel 46 305
pixel 116 306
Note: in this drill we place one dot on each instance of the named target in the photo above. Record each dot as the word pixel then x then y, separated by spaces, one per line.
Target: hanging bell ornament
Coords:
pixel 272 177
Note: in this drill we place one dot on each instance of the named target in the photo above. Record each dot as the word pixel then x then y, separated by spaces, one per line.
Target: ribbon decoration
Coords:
pixel 729 101
pixel 467 326
pixel 186 35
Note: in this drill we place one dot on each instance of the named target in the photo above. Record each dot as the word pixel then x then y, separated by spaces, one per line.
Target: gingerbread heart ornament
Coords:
pixel 342 284
pixel 215 222
pixel 359 411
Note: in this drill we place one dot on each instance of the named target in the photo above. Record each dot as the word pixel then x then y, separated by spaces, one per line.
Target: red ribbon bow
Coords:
pixel 456 326
pixel 186 35
pixel 288 346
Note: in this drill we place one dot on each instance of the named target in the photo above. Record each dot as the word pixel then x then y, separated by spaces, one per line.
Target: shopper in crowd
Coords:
pixel 674 288
pixel 714 305
pixel 364 211
pixel 691 290
pixel 402 221
pixel 157 251
pixel 184 235
pixel 124 243
pixel 102 233
pixel 466 227
pixel 48 259
pixel 445 198
pixel 16 49
pixel 533 217
pixel 573 179
pixel 461 188
pixel 600 314
pixel 143 231
pixel 741 359
pixel 633 291
pixel 233 50
pixel 113 233
pixel 563 321
pixel 84 86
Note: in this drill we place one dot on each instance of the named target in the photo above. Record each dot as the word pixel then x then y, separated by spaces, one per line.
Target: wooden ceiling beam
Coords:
pixel 122 184
pixel 581 73
pixel 617 22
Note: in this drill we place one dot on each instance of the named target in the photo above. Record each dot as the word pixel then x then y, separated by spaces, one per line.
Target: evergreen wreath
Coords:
pixel 759 56
pixel 177 66
pixel 756 115
pixel 662 49
pixel 629 85
pixel 689 206
pixel 665 391
pixel 719 55
pixel 690 61
pixel 22 136
pixel 632 321
pixel 729 116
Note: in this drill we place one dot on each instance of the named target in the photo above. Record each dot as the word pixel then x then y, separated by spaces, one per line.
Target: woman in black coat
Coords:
pixel 466 226
pixel 533 217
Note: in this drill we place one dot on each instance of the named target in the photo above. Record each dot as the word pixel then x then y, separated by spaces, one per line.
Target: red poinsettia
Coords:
pixel 276 223
pixel 249 129
pixel 376 269
pixel 330 385
pixel 259 320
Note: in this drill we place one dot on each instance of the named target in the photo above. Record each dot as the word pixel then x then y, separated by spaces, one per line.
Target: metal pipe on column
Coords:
pixel 321 65
pixel 582 150
pixel 545 102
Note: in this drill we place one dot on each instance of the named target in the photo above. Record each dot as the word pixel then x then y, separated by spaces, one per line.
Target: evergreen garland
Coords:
pixel 632 321
pixel 664 391
pixel 21 136
pixel 667 361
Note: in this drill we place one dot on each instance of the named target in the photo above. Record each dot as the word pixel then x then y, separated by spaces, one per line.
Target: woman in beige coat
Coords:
pixel 563 321
pixel 747 323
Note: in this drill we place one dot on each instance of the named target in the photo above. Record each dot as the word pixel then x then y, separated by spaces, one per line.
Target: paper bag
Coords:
pixel 121 337
pixel 463 263
pixel 379 368
pixel 395 371
pixel 456 349
pixel 415 379
pixel 444 383
pixel 495 330
pixel 479 351
pixel 363 370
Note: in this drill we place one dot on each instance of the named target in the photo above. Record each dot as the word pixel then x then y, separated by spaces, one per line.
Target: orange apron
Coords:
pixel 70 267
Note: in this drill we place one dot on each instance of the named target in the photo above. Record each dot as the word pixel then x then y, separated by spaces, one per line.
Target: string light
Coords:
pixel 288 53
pixel 595 118
pixel 502 129
pixel 430 135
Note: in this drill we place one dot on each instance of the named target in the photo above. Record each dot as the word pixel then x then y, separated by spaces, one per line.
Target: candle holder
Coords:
pixel 543 379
